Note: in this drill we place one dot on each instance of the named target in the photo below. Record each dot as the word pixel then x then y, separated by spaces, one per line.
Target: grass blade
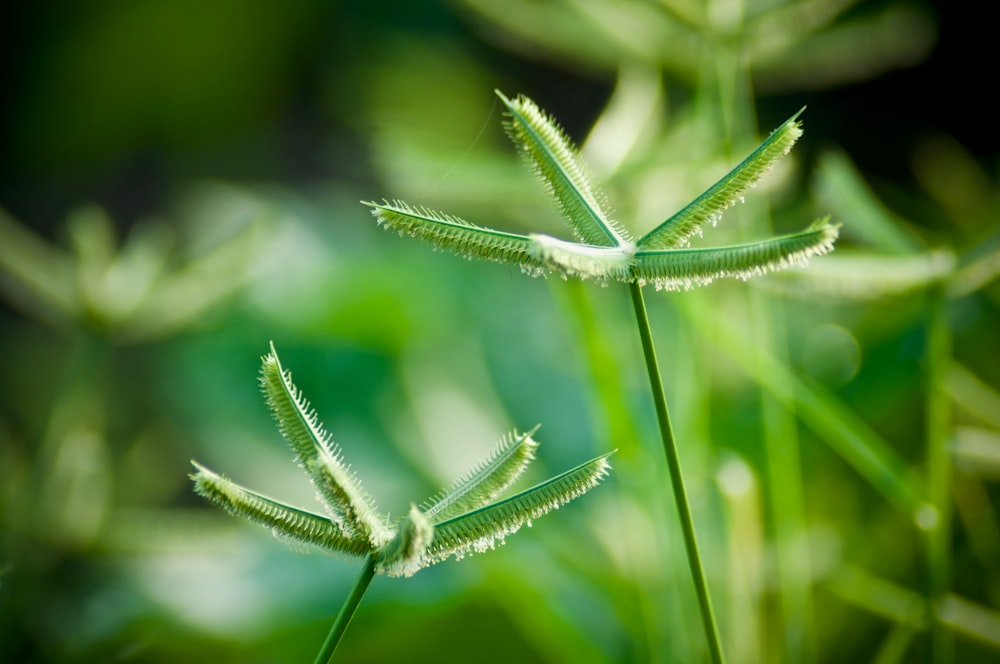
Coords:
pixel 830 419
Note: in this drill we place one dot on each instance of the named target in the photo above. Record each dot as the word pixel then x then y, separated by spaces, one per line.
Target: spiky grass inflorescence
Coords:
pixel 709 206
pixel 686 268
pixel 466 512
pixel 551 156
pixel 487 480
pixel 283 520
pixel 447 231
pixel 338 488
pixel 487 527
pixel 605 251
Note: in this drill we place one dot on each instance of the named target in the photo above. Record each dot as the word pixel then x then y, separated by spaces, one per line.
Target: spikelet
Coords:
pixel 337 487
pixel 283 520
pixel 446 231
pixel 709 206
pixel 686 268
pixel 487 527
pixel 553 159
pixel 487 480
pixel 466 510
pixel 605 251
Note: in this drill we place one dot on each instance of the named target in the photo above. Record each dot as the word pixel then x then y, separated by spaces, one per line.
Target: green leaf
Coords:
pixel 349 505
pixel 487 527
pixel 707 208
pixel 552 157
pixel 283 520
pixel 487 480
pixel 686 268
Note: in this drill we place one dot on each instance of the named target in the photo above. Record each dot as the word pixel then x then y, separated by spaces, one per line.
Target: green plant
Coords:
pixel 605 251
pixel 463 519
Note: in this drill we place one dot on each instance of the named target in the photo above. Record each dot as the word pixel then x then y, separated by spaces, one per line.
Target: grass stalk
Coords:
pixel 676 477
pixel 347 610
pixel 939 465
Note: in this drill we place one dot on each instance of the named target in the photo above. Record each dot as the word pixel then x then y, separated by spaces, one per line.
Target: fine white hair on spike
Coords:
pixel 684 269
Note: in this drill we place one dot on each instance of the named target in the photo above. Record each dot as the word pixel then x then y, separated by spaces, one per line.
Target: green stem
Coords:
pixel 939 466
pixel 350 605
pixel 676 478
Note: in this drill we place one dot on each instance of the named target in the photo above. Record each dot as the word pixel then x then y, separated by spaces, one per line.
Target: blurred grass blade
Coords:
pixel 879 596
pixel 34 274
pixel 896 645
pixel 843 192
pixel 977 268
pixel 973 395
pixel 939 464
pixel 861 275
pixel 634 111
pixel 904 606
pixel 858 47
pixel 977 451
pixel 829 418
pixel 971 620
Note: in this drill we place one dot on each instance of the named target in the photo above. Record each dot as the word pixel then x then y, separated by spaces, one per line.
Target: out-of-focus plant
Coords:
pixel 67 479
pixel 787 44
pixel 462 519
pixel 893 262
pixel 605 251
pixel 147 289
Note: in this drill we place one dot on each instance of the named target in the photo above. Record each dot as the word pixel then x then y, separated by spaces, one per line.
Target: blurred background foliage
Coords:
pixel 180 185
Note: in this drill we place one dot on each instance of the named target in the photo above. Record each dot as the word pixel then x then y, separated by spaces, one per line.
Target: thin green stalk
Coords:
pixel 350 605
pixel 676 478
pixel 939 466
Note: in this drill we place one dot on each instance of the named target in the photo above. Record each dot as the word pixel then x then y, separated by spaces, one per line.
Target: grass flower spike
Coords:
pixel 604 250
pixel 466 517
